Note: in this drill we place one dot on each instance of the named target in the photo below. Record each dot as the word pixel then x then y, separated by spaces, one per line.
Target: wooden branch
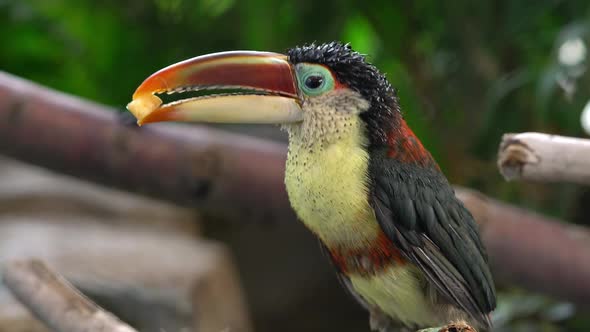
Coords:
pixel 538 253
pixel 542 157
pixel 225 175
pixel 453 327
pixel 234 176
pixel 55 301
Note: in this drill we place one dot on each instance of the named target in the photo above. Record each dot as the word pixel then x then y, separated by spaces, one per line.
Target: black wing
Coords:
pixel 417 209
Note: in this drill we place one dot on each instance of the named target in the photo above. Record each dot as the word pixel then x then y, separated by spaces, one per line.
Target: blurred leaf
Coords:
pixel 215 8
pixel 359 32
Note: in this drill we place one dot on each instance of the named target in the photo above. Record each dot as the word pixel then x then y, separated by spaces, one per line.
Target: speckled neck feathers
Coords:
pixel 326 172
pixel 327 119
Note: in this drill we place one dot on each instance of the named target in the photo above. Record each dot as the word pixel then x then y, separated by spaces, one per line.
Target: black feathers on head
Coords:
pixel 351 69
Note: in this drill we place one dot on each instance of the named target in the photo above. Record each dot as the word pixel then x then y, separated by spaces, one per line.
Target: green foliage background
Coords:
pixel 466 71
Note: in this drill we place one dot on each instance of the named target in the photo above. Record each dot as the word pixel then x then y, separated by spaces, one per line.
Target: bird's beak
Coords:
pixel 236 87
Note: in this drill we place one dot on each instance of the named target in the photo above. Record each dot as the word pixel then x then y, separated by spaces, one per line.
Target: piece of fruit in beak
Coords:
pixel 265 84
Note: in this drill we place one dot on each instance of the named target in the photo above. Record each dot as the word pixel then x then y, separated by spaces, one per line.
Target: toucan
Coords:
pixel 356 175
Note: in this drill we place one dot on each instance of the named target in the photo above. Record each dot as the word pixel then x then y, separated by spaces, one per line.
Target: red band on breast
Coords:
pixel 368 261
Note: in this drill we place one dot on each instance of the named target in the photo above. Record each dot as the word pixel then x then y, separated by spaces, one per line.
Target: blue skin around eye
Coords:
pixel 306 70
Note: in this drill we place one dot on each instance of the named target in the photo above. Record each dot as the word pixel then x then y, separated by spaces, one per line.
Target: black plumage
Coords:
pixel 418 210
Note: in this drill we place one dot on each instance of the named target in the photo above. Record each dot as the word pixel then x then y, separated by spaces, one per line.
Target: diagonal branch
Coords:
pixel 193 166
pixel 241 178
pixel 55 301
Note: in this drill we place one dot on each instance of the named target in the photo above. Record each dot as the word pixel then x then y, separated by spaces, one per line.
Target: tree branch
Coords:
pixel 543 157
pixel 453 327
pixel 222 174
pixel 233 176
pixel 533 251
pixel 55 301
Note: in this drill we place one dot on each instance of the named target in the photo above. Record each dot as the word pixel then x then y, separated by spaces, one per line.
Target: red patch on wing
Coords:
pixel 406 147
pixel 367 261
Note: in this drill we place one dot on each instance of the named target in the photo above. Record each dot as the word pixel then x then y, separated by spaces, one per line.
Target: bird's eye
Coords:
pixel 314 79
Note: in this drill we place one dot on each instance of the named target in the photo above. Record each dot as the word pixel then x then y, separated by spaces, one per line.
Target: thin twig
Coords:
pixel 224 175
pixel 453 327
pixel 55 301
